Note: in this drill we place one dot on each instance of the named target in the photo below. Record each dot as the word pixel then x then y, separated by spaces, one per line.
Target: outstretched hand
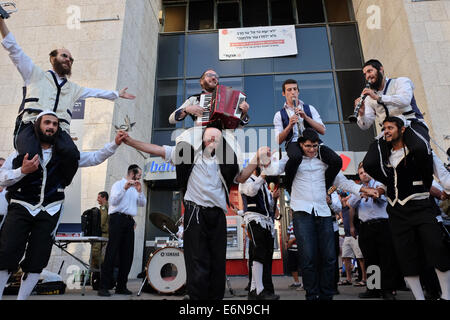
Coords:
pixel 125 95
pixel 370 193
pixel 29 166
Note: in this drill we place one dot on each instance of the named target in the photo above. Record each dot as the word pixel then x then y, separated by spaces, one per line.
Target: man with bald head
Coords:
pixel 49 90
pixel 205 177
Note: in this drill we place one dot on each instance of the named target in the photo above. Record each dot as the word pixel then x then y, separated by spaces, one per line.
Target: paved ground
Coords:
pixel 237 283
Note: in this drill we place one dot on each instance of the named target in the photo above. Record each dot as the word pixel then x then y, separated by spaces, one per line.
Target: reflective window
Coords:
pixel 251 138
pixel 332 137
pixel 351 83
pixel 260 97
pixel 347 53
pixel 203 53
pixel 169 96
pixel 357 139
pixel 171 56
pixel 310 11
pixel 262 65
pixel 163 137
pixel 313 52
pixel 201 15
pixel 316 89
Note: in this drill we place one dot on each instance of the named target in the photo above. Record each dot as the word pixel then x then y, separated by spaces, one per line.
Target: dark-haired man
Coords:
pixel 290 122
pixel 35 192
pixel 49 90
pixel 208 82
pixel 413 224
pixel 126 197
pixel 313 223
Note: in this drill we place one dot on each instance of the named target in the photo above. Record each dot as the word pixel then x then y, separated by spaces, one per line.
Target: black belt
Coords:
pixel 123 214
pixel 373 221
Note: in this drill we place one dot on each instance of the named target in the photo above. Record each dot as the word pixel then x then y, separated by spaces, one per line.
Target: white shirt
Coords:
pixel 308 188
pixel 205 187
pixel 3 203
pixel 369 209
pixel 9 176
pixel 441 173
pixel 397 103
pixel 125 201
pixel 25 66
pixel 278 123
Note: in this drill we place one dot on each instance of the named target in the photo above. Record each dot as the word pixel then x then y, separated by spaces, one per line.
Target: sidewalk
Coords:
pixel 238 283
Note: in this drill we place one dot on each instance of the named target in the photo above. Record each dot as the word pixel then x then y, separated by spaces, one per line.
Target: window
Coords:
pixel 313 52
pixel 282 12
pixel 171 56
pixel 169 96
pixel 255 13
pixel 201 15
pixel 175 18
pixel 337 10
pixel 310 11
pixel 260 96
pixel 345 44
pixel 228 15
pixel 351 83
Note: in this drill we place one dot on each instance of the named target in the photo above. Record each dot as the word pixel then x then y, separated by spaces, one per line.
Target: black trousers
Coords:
pixel 24 234
pixel 375 242
pixel 120 242
pixel 26 141
pixel 415 230
pixel 261 250
pixel 205 247
pixel 327 155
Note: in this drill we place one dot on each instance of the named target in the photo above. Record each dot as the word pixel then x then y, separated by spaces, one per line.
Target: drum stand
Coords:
pixel 145 279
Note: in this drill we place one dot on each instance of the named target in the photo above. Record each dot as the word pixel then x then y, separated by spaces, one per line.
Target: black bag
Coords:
pixel 91 222
pixel 48 288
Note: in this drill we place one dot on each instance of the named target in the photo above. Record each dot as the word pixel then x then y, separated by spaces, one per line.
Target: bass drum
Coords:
pixel 166 271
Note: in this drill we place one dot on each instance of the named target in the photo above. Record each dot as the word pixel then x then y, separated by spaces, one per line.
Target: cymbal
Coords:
pixel 160 220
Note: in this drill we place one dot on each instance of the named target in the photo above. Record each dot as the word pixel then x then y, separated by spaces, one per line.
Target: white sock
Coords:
pixel 415 286
pixel 257 273
pixel 4 276
pixel 444 281
pixel 27 285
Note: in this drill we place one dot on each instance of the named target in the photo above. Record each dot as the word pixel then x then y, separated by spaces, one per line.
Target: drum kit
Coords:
pixel 165 270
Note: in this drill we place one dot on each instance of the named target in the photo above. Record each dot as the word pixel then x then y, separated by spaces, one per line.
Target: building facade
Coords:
pixel 159 49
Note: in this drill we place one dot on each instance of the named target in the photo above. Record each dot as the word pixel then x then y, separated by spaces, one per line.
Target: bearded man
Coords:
pixel 35 193
pixel 49 90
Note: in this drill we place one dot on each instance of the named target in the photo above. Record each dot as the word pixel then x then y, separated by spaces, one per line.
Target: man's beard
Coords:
pixel 377 83
pixel 43 138
pixel 60 70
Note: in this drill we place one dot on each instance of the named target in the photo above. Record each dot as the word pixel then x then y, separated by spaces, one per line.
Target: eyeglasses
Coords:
pixel 210 74
pixel 311 146
pixel 65 56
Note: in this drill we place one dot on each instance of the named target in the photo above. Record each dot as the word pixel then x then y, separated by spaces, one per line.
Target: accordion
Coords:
pixel 221 107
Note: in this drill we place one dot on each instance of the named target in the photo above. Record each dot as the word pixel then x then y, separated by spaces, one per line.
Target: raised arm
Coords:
pixel 150 148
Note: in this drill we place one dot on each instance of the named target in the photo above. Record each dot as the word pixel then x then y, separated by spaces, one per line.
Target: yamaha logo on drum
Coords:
pixel 170 254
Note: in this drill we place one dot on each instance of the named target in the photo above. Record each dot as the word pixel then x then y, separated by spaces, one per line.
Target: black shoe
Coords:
pixel 103 293
pixel 252 295
pixel 386 295
pixel 123 291
pixel 266 295
pixel 369 294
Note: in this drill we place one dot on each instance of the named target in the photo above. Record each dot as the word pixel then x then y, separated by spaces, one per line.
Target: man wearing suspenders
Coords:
pixel 290 122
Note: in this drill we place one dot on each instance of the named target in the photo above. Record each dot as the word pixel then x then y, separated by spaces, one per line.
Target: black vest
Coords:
pixel 259 203
pixel 406 179
pixel 28 189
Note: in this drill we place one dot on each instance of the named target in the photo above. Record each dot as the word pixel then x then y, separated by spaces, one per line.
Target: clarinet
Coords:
pixel 294 102
pixel 354 117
